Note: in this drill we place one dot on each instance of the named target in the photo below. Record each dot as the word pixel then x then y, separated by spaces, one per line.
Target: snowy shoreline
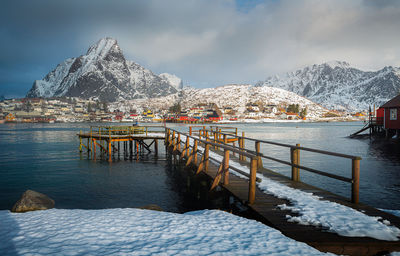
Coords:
pixel 132 231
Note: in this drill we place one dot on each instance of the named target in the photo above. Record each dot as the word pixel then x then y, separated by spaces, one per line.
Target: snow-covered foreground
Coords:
pixel 140 232
pixel 312 210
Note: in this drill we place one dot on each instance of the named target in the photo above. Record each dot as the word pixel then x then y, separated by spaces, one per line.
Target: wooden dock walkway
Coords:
pixel 264 206
pixel 107 140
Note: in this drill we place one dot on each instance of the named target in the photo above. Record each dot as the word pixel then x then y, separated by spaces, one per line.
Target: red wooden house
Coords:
pixel 391 117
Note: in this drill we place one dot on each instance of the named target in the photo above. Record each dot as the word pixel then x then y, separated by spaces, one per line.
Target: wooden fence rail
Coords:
pixel 191 152
pixel 215 134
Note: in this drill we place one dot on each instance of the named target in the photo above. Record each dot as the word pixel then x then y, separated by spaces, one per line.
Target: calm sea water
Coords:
pixel 45 158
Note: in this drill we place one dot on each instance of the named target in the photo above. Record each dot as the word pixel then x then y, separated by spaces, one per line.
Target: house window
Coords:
pixel 393 114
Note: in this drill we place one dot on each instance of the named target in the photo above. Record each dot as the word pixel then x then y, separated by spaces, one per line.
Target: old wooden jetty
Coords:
pixel 108 139
pixel 215 151
pixel 195 147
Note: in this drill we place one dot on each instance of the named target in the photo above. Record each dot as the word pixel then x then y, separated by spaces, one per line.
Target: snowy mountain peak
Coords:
pixel 103 73
pixel 103 47
pixel 337 85
pixel 335 63
pixel 173 80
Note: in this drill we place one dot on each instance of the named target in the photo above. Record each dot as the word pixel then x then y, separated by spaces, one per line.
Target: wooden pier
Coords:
pixel 106 140
pixel 231 147
pixel 214 151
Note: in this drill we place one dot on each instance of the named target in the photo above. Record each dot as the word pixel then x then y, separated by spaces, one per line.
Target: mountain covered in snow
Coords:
pixel 105 74
pixel 234 96
pixel 337 85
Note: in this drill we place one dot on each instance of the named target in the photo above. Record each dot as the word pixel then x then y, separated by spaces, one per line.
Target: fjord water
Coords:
pixel 45 157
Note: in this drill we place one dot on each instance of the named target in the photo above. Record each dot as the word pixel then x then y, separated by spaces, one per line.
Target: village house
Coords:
pixel 391 115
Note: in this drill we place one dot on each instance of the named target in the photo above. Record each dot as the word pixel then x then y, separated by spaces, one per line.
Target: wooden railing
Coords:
pixel 294 151
pixel 125 130
pixel 179 143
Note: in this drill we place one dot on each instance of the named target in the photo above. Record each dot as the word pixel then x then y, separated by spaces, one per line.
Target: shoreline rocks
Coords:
pixel 33 201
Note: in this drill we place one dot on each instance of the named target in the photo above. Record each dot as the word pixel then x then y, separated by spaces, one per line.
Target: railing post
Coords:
pixel 252 181
pixel 190 130
pixel 178 143
pixel 195 152
pixel 355 186
pixel 225 139
pixel 226 167
pixel 295 159
pixel 187 147
pixel 215 140
pixel 243 146
pixel 167 131
pixel 173 138
pixel 206 154
pixel 259 161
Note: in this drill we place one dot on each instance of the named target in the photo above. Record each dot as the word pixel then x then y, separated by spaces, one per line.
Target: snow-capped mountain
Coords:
pixel 172 80
pixel 337 85
pixel 235 96
pixel 103 73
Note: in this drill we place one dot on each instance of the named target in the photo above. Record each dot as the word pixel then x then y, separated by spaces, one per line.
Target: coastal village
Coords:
pixel 73 109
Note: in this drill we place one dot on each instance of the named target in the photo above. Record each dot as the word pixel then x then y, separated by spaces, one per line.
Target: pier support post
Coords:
pixel 295 159
pixel 215 140
pixel 241 146
pixel 156 146
pixel 94 151
pixel 355 186
pixel 195 152
pixel 252 181
pixel 226 167
pixel 190 130
pixel 109 151
pixel 206 155
pixel 187 147
pixel 259 161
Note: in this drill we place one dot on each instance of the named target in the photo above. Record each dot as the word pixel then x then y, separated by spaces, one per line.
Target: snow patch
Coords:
pixel 141 232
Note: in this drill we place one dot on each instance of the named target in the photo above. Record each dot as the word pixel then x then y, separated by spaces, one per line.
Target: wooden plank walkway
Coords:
pixel 265 210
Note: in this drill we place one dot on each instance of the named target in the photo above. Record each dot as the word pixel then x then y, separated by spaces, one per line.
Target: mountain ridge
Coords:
pixel 102 73
pixel 338 85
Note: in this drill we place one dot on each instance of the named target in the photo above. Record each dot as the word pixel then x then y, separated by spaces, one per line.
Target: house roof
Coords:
pixel 395 102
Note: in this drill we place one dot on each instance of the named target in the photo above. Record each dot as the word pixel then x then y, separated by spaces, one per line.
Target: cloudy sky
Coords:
pixel 205 42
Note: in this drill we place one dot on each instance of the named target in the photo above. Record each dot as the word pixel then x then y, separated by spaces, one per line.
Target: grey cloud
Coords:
pixel 207 43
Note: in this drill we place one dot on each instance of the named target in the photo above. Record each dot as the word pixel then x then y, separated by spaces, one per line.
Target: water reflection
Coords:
pixel 46 157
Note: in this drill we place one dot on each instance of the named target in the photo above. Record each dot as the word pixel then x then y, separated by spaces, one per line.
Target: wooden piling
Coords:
pixel 206 155
pixel 355 186
pixel 295 159
pixel 195 152
pixel 156 147
pixel 259 161
pixel 252 180
pixel 226 167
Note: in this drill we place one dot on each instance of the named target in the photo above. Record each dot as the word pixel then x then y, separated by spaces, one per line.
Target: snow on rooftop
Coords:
pixel 312 210
pixel 141 232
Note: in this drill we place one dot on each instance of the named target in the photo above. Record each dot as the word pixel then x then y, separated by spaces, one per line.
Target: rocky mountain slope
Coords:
pixel 105 74
pixel 235 96
pixel 337 85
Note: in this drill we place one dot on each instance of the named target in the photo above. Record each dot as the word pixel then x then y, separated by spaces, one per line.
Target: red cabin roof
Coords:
pixel 395 102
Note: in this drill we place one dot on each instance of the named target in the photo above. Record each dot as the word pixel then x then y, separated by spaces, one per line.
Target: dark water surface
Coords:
pixel 45 157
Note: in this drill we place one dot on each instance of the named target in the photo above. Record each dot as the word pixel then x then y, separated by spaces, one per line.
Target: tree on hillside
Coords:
pixel 89 107
pixel 293 108
pixel 176 108
pixel 303 112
